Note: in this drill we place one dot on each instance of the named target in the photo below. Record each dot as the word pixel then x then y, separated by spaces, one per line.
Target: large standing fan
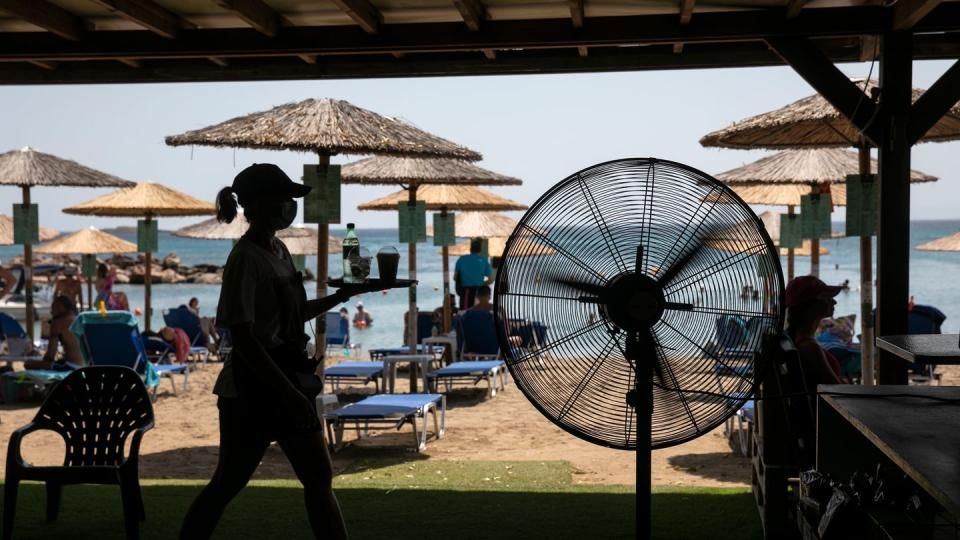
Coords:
pixel 657 285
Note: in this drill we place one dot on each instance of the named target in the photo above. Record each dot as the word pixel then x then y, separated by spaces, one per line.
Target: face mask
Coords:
pixel 288 213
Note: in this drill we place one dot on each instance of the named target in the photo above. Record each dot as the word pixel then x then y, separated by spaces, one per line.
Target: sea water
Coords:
pixel 931 278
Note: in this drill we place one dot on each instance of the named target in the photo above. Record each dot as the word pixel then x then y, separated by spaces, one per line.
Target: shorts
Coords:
pixel 247 423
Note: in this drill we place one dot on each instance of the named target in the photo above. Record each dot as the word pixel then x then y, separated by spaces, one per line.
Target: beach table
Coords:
pixel 390 362
pixel 939 349
pixel 913 429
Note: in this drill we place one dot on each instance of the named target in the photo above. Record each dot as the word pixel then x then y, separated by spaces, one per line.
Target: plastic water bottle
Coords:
pixel 103 309
pixel 351 250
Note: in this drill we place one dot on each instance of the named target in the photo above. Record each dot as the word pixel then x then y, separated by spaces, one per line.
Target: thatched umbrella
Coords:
pixel 496 244
pixel 146 200
pixel 28 168
pixel 6 231
pixel 481 225
pixel 947 243
pixel 782 178
pixel 731 239
pixel 211 229
pixel 445 198
pixel 88 243
pixel 326 127
pixel 812 122
pixel 302 239
pixel 411 173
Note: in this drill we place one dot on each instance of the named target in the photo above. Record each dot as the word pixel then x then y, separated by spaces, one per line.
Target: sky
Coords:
pixel 539 128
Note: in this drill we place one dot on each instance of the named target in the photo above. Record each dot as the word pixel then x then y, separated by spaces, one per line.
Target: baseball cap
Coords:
pixel 804 289
pixel 266 180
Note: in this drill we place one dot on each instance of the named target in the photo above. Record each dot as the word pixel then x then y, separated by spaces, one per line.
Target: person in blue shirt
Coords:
pixel 470 273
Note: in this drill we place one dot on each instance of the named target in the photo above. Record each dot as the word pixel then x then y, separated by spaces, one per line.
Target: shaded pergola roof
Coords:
pixel 440 196
pixel 814 122
pixel 74 41
pixel 87 241
pixel 380 170
pixel 947 243
pixel 331 125
pixel 6 231
pixel 28 167
pixel 143 199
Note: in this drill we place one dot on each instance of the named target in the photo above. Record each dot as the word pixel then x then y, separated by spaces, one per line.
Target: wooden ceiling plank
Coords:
pixel 362 12
pixel 677 48
pixel 490 54
pixel 50 17
pixel 686 11
pixel 45 65
pixel 256 13
pixel 147 14
pixel 222 62
pixel 907 13
pixel 576 12
pixel 583 51
pixel 308 58
pixel 130 62
pixel 473 13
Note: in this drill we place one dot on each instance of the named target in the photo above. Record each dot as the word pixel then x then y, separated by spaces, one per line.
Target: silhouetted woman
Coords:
pixel 261 390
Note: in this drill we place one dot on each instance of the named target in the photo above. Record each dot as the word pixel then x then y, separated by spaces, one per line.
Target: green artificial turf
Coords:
pixel 427 499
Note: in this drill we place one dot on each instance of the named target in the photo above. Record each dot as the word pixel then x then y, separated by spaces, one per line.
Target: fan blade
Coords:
pixel 590 288
pixel 678 265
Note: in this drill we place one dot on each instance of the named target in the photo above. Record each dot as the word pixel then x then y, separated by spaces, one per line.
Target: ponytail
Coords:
pixel 226 205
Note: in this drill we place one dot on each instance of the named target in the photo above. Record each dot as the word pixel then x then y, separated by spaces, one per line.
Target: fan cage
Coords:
pixel 587 229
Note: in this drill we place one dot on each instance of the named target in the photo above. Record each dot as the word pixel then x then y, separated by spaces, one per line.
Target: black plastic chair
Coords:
pixel 94 409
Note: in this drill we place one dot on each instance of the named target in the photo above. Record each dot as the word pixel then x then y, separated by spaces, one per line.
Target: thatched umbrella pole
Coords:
pixel 447 309
pixel 412 274
pixel 866 284
pixel 791 270
pixel 147 278
pixel 28 270
pixel 323 261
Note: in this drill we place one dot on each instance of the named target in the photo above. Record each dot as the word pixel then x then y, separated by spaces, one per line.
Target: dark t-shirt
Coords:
pixel 264 289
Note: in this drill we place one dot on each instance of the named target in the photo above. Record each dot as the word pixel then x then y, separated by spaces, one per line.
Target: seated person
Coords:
pixel 438 313
pixel 362 318
pixel 104 285
pixel 208 327
pixel 63 312
pixel 180 341
pixel 7 282
pixel 483 299
pixel 809 301
pixel 70 286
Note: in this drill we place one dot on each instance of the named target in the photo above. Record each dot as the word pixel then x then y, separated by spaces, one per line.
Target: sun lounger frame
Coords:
pixel 335 424
pixel 491 373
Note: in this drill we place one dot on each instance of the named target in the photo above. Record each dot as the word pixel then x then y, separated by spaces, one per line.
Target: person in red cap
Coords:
pixel 809 301
pixel 265 389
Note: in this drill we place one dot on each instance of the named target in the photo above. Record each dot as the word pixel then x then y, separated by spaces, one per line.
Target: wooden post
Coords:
pixel 791 252
pixel 323 270
pixel 893 236
pixel 447 311
pixel 147 281
pixel 412 294
pixel 28 272
pixel 866 284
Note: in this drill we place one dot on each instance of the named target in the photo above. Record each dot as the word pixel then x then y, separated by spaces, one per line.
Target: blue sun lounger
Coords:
pixel 473 372
pixel 358 371
pixel 421 349
pixel 390 411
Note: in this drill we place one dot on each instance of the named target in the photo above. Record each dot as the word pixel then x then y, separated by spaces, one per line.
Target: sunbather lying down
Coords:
pixel 63 312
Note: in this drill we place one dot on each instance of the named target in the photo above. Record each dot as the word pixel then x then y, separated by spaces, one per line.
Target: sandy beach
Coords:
pixel 184 442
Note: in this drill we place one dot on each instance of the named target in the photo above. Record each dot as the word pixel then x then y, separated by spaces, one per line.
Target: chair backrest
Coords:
pixel 113 340
pixel 925 320
pixel 530 332
pixel 731 331
pixel 477 333
pixel 338 329
pixel 186 320
pixel 424 325
pixel 791 401
pixel 95 409
pixel 10 328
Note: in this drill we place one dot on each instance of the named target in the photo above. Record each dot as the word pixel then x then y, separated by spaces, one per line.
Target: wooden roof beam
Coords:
pixel 308 58
pixel 810 63
pixel 907 13
pixel 50 17
pixel 362 12
pixel 934 103
pixel 794 7
pixel 256 13
pixel 50 66
pixel 472 11
pixel 130 62
pixel 147 14
pixel 583 51
pixel 576 12
pixel 222 62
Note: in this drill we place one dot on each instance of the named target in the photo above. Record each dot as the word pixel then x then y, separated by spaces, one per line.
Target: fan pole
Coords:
pixel 641 399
